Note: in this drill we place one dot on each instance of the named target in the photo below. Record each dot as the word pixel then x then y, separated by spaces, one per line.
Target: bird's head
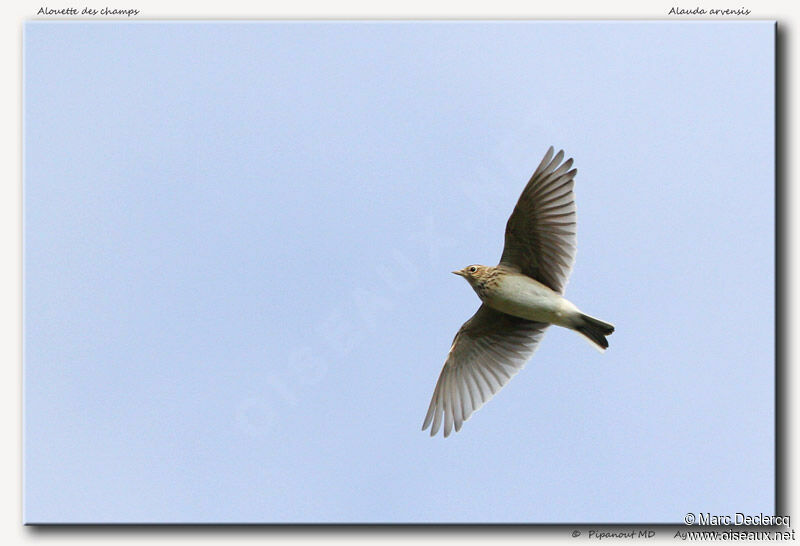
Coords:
pixel 475 274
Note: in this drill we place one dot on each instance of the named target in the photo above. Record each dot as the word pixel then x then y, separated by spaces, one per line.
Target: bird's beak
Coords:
pixel 460 272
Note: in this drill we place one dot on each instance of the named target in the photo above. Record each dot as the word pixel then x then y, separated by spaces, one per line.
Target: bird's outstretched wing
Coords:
pixel 488 350
pixel 540 234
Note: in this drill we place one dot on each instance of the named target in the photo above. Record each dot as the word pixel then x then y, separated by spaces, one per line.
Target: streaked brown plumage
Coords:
pixel 521 297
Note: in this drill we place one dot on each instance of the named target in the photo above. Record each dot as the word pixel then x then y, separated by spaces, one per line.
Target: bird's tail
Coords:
pixel 595 330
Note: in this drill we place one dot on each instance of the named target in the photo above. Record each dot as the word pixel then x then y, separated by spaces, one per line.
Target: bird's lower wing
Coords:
pixel 488 350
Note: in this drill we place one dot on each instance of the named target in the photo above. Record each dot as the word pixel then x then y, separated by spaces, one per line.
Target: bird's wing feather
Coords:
pixel 488 350
pixel 540 234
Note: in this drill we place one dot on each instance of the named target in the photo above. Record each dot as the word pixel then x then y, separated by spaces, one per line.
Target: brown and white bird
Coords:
pixel 521 296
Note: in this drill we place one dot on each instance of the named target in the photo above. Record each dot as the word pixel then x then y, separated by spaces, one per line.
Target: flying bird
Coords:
pixel 521 296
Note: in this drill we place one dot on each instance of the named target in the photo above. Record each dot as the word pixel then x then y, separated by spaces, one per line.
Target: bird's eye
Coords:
pixel 473 269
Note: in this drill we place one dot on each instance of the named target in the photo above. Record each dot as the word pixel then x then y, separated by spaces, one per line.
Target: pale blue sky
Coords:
pixel 238 245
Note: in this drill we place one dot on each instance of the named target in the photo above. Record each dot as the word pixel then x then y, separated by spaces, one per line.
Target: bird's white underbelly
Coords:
pixel 523 297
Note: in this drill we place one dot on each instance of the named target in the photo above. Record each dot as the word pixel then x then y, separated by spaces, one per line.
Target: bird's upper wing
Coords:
pixel 540 234
pixel 488 350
